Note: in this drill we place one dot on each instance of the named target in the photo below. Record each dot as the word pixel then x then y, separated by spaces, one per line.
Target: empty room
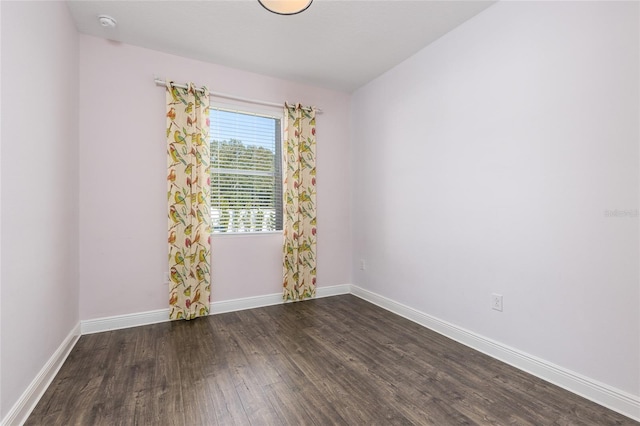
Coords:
pixel 319 212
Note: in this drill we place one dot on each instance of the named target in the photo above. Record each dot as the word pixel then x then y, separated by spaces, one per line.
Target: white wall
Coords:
pixel 39 189
pixel 485 163
pixel 123 182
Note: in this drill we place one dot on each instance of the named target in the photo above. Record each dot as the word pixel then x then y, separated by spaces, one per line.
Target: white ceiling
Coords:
pixel 337 44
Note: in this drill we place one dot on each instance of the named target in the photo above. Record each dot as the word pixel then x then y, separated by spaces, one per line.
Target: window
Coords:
pixel 246 176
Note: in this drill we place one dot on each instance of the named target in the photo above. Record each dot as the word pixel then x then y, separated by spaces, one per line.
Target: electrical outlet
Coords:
pixel 363 265
pixel 166 278
pixel 496 302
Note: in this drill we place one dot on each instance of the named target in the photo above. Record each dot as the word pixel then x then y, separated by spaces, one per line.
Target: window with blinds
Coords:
pixel 246 183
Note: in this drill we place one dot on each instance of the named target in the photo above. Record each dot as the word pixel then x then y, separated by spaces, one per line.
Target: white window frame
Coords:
pixel 260 110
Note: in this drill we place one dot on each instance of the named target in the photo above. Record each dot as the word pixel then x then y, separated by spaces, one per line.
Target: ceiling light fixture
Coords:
pixel 107 21
pixel 286 7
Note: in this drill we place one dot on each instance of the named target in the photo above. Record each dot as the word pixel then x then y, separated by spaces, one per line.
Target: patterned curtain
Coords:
pixel 299 188
pixel 188 183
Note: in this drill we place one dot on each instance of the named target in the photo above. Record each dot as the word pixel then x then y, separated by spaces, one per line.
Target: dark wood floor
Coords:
pixel 337 360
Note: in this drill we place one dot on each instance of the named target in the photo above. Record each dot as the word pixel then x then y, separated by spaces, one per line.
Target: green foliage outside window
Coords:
pixel 244 187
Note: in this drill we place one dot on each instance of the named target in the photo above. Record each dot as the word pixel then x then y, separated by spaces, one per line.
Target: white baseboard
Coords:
pixel 20 411
pixel 117 322
pixel 605 395
pixel 233 305
pixel 334 290
pixel 271 299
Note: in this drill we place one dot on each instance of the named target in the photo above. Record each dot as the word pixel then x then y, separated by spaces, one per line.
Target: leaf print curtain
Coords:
pixel 188 183
pixel 299 191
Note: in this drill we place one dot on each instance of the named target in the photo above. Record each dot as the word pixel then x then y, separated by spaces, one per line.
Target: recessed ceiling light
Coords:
pixel 107 21
pixel 285 7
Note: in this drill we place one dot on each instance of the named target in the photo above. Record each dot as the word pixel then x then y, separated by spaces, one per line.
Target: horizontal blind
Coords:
pixel 246 194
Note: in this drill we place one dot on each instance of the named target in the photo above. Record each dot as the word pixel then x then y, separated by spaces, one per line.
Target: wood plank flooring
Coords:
pixel 337 360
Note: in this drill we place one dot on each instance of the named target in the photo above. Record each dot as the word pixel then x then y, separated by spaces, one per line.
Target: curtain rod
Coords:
pixel 160 82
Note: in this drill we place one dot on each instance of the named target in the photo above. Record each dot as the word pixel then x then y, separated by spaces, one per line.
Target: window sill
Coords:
pixel 244 234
